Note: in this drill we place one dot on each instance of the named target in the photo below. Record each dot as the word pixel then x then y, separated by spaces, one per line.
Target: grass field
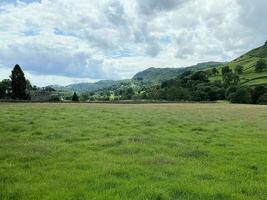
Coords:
pixel 153 152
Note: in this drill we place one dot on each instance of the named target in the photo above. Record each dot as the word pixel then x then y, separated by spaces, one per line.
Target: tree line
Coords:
pixel 189 86
pixel 17 87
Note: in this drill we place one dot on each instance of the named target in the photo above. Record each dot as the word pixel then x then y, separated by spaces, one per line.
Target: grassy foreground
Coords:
pixel 167 151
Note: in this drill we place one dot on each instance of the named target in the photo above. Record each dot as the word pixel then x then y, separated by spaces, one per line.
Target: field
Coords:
pixel 154 152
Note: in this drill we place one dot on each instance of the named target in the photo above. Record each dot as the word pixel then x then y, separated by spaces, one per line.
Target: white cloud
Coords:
pixel 100 39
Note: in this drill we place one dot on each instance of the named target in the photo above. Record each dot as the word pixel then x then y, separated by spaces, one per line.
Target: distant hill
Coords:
pixel 90 87
pixel 157 75
pixel 148 76
pixel 80 87
pixel 248 61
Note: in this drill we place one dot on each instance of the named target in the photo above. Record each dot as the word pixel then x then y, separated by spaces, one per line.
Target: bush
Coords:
pixel 200 76
pixel 260 65
pixel 214 71
pixel 55 98
pixel 242 95
pixel 226 70
pixel 257 93
pixel 215 93
pixel 262 99
pixel 230 79
pixel 239 69
pixel 200 95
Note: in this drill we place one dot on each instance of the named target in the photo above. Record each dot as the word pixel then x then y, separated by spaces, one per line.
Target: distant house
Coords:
pixel 42 95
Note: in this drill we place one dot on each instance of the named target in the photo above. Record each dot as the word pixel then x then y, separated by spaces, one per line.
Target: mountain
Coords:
pixel 249 77
pixel 90 87
pixel 157 75
pixel 80 87
pixel 148 76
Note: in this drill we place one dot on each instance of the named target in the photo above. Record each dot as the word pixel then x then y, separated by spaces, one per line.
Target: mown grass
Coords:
pixel 167 151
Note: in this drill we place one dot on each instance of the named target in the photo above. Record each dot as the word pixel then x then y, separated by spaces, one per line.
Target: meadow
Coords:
pixel 142 152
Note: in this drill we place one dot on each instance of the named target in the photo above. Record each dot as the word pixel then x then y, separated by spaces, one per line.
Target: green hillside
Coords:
pixel 249 77
pixel 153 76
pixel 147 77
pixel 88 87
pixel 157 75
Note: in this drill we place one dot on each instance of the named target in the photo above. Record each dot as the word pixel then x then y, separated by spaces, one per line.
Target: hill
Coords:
pixel 80 87
pixel 88 87
pixel 146 77
pixel 249 77
pixel 157 75
pixel 152 76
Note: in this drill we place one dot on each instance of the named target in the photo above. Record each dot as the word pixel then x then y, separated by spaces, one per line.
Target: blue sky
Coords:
pixel 66 41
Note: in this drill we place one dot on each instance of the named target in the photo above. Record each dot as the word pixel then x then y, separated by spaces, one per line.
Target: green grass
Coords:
pixel 167 151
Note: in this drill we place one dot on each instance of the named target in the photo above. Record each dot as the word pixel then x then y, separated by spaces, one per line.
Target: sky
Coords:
pixel 65 41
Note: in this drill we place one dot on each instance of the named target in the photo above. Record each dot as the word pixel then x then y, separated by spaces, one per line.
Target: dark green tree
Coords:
pixel 263 99
pixel 242 95
pixel 226 70
pixel 239 69
pixel 200 76
pixel 5 88
pixel 257 93
pixel 230 90
pixel 75 97
pixel 260 66
pixel 230 79
pixel 215 71
pixel 18 83
pixel 129 92
pixel 2 91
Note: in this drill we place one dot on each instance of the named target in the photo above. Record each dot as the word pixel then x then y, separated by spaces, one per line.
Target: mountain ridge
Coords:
pixel 150 75
pixel 154 75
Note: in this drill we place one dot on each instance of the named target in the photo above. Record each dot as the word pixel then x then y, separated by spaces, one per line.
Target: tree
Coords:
pixel 263 99
pixel 226 70
pixel 49 89
pixel 214 71
pixel 200 76
pixel 230 90
pixel 129 92
pixel 75 97
pixel 260 65
pixel 2 91
pixel 242 95
pixel 18 83
pixel 257 93
pixel 5 88
pixel 239 69
pixel 214 93
pixel 230 79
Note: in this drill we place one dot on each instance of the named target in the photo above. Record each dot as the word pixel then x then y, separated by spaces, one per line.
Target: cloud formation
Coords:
pixel 99 39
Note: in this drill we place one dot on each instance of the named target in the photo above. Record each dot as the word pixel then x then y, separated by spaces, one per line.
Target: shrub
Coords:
pixel 54 98
pixel 226 70
pixel 239 69
pixel 262 99
pixel 260 65
pixel 257 93
pixel 242 95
